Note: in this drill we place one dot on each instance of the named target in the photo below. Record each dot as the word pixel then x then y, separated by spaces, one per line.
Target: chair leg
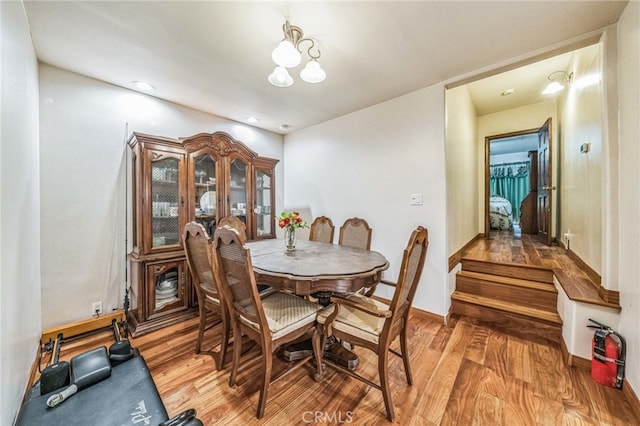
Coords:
pixel 267 362
pixel 383 371
pixel 203 322
pixel 237 349
pixel 405 355
pixel 224 344
pixel 318 351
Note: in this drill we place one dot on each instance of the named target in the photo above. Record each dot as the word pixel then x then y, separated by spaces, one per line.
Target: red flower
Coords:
pixel 291 220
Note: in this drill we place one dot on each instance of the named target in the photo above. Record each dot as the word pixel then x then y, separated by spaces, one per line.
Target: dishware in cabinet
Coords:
pixel 264 198
pixel 158 190
pixel 166 288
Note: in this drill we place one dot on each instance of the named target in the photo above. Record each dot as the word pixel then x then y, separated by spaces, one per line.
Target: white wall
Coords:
pixel 20 322
pixel 524 118
pixel 367 164
pixel 463 178
pixel 462 152
pixel 514 157
pixel 581 182
pixel 629 186
pixel 83 183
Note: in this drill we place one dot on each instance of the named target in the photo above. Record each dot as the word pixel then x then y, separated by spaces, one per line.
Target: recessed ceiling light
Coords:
pixel 143 85
pixel 507 92
pixel 252 119
pixel 284 126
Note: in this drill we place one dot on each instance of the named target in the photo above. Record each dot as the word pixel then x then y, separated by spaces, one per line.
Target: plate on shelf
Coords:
pixel 208 201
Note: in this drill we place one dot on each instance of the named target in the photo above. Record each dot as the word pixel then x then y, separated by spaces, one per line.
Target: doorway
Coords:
pixel 509 180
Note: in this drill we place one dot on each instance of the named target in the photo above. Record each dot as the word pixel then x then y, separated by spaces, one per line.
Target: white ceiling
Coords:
pixel 216 56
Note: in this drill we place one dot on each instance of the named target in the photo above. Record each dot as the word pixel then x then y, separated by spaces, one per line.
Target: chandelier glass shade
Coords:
pixel 280 77
pixel 288 55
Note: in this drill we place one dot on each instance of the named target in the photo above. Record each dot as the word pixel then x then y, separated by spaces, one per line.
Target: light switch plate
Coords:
pixel 415 200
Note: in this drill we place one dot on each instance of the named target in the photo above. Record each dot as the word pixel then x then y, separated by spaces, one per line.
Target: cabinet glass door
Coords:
pixel 264 223
pixel 167 283
pixel 165 193
pixel 206 200
pixel 238 194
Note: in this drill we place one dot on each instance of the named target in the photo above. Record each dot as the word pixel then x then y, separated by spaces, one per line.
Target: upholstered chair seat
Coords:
pixel 355 322
pixel 285 313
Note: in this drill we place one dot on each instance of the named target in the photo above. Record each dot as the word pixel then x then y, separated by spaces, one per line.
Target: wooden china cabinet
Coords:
pixel 174 181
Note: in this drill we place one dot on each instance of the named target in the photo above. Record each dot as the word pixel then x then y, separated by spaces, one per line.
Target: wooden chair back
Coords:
pixel 237 280
pixel 234 222
pixel 355 232
pixel 411 267
pixel 198 251
pixel 197 248
pixel 322 230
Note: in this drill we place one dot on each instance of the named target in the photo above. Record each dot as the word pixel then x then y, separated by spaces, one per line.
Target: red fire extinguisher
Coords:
pixel 608 355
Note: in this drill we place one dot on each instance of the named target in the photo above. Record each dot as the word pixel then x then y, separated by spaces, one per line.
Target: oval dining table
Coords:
pixel 319 270
pixel 315 268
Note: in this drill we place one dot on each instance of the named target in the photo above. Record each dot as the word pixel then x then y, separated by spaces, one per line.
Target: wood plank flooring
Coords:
pixel 464 374
pixel 505 247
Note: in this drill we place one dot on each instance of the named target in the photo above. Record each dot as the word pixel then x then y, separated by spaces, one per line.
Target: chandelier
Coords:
pixel 289 55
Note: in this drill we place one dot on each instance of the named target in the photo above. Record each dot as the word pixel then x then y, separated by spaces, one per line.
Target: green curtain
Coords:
pixel 510 181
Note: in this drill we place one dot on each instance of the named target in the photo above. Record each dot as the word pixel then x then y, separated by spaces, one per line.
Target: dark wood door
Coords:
pixel 544 183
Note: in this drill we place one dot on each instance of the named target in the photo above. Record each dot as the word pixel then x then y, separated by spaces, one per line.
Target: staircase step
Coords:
pixel 524 311
pixel 513 270
pixel 514 290
pixel 527 323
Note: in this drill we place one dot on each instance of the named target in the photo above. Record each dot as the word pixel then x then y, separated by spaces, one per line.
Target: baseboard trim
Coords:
pixel 456 257
pixel 429 316
pixel 609 296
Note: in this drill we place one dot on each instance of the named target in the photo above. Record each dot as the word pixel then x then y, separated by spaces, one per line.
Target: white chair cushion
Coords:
pixel 356 322
pixel 212 298
pixel 285 313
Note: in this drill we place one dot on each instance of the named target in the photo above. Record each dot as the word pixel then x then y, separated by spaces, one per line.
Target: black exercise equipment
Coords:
pixel 56 375
pixel 121 350
pixel 109 388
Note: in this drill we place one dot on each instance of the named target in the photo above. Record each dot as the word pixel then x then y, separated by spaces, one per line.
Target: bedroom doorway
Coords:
pixel 508 173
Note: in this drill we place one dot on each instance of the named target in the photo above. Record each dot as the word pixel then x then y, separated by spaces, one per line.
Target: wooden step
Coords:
pixel 525 311
pixel 514 290
pixel 524 321
pixel 512 270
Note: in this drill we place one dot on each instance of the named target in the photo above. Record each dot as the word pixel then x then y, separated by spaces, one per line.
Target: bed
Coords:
pixel 500 213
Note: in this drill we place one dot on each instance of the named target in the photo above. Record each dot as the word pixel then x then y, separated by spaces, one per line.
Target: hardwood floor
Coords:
pixel 578 281
pixel 464 374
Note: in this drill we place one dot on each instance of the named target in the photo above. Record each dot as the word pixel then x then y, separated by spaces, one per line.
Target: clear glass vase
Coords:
pixel 290 239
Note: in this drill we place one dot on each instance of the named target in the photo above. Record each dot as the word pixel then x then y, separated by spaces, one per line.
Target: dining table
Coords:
pixel 318 270
pixel 314 268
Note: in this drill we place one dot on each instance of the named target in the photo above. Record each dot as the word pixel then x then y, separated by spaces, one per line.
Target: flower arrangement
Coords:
pixel 291 221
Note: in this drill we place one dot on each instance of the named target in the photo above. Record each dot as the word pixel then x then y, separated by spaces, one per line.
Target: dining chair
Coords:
pixel 197 247
pixel 373 324
pixel 234 222
pixel 322 230
pixel 355 232
pixel 276 319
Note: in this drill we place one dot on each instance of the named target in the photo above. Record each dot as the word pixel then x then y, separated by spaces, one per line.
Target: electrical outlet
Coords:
pixel 96 308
